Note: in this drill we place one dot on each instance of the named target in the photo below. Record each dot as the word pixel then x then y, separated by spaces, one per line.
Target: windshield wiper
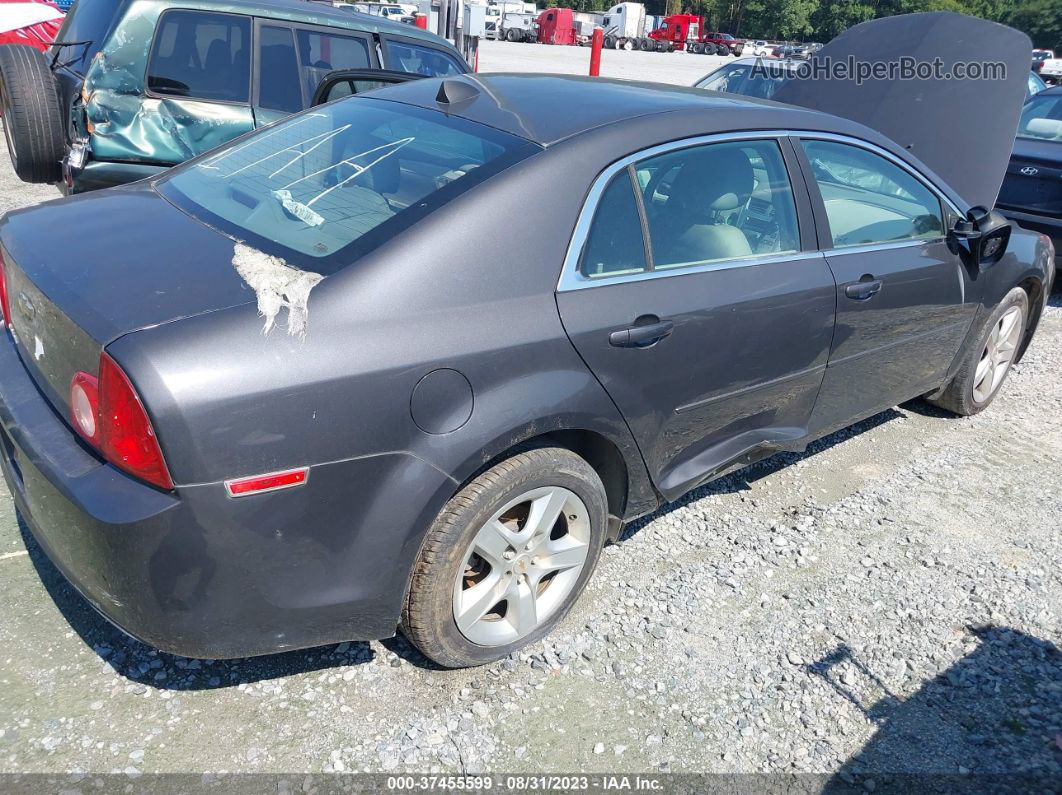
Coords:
pixel 58 45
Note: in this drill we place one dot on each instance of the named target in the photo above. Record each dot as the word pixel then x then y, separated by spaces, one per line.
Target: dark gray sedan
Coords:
pixel 409 359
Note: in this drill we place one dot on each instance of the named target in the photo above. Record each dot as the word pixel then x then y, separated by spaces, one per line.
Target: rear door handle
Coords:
pixel 641 336
pixel 865 288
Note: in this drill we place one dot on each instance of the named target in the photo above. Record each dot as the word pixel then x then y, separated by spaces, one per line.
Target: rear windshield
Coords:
pixel 83 32
pixel 746 79
pixel 1041 118
pixel 323 187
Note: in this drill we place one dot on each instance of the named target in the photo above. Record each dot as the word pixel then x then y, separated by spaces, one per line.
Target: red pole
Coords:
pixel 595 52
pixel 421 21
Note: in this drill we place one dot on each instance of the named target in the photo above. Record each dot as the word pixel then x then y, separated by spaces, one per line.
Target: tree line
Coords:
pixel 821 20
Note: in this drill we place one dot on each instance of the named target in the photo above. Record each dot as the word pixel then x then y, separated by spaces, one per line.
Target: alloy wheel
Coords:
pixel 998 354
pixel 521 565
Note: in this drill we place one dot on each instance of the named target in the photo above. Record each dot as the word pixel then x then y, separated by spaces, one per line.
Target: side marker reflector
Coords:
pixel 274 481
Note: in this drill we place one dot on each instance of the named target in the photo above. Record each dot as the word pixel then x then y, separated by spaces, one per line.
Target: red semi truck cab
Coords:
pixel 556 26
pixel 679 30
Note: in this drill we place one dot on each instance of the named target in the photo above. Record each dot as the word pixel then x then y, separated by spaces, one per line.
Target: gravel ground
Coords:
pixel 888 602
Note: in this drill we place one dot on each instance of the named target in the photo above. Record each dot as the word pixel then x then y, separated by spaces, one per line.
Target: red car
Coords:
pixel 718 44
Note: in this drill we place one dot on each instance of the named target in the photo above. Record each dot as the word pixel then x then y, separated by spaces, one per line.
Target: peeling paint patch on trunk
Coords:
pixel 277 285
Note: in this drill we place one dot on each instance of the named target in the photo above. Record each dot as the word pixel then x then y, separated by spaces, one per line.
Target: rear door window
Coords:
pixel 321 53
pixel 201 55
pixel 405 56
pixel 718 202
pixel 279 83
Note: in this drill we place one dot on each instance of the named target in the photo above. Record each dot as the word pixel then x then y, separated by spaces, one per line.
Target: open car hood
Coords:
pixel 963 129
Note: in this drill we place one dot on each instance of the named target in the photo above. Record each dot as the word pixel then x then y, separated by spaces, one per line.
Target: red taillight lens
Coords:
pixel 85 407
pixel 4 305
pixel 125 435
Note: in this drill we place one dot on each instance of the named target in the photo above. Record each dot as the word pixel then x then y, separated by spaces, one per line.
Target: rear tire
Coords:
pixel 988 360
pixel 697 48
pixel 645 45
pixel 33 119
pixel 510 35
pixel 496 535
pixel 627 44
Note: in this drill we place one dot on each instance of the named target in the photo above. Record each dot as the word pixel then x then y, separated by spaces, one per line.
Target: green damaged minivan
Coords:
pixel 131 87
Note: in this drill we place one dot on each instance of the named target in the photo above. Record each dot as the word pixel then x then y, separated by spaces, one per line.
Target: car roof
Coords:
pixel 768 63
pixel 314 13
pixel 527 105
pixel 1049 91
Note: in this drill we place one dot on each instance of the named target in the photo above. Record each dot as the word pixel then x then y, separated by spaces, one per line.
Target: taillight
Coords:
pixel 4 305
pixel 122 431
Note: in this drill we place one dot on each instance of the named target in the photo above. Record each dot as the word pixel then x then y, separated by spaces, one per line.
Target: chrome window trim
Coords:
pixel 583 282
pixel 863 248
pixel 572 279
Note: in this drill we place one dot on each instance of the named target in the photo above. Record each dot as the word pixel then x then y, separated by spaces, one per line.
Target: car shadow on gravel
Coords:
pixel 742 479
pixel 149 667
pixel 992 721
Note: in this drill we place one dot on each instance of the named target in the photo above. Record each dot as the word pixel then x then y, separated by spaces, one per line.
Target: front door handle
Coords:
pixel 866 287
pixel 641 336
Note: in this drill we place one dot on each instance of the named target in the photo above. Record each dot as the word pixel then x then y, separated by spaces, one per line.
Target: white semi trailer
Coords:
pixel 623 24
pixel 518 26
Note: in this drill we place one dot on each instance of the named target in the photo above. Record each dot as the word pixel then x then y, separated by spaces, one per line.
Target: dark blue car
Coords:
pixel 1032 190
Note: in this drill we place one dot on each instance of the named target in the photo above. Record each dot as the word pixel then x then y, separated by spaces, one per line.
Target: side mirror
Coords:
pixel 983 235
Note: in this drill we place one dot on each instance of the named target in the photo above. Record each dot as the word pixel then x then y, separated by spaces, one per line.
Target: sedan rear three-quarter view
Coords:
pixel 409 359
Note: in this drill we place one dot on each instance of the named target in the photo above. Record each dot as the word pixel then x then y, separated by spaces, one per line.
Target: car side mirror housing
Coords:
pixel 983 236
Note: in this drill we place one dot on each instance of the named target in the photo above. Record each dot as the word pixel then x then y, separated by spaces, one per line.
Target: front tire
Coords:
pixel 506 558
pixel 988 361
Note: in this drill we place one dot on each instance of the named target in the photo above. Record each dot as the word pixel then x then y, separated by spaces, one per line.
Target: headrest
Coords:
pixel 712 179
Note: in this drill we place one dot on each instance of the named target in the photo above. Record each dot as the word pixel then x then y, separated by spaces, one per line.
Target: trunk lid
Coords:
pixel 83 271
pixel 1034 178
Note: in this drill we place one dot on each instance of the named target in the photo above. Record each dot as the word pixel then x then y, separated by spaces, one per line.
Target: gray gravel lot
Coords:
pixel 889 602
pixel 678 68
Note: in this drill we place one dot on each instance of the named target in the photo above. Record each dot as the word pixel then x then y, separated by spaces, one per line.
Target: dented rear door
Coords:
pixel 194 95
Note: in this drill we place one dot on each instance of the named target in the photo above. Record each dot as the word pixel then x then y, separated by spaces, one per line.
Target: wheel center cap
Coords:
pixel 522 564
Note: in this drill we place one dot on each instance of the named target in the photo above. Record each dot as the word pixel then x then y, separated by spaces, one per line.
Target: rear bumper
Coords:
pixel 199 574
pixel 97 174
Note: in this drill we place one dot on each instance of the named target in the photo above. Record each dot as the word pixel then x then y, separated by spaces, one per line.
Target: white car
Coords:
pixel 758 47
pixel 1051 71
